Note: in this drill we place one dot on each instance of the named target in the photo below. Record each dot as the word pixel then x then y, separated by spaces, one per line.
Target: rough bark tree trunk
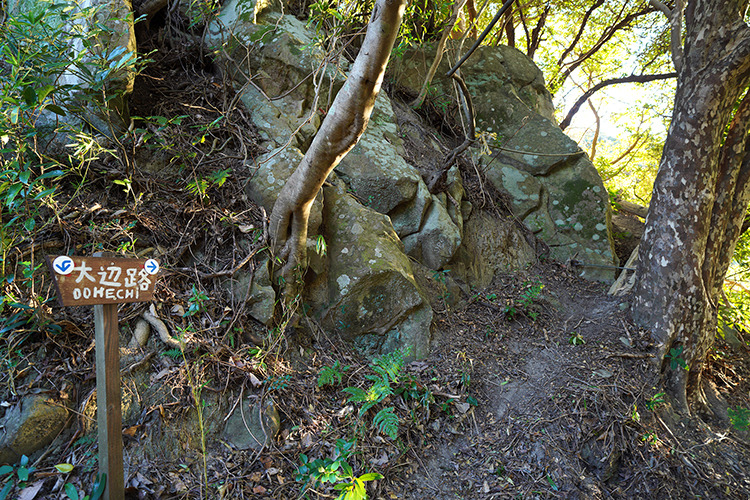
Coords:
pixel 339 133
pixel 700 195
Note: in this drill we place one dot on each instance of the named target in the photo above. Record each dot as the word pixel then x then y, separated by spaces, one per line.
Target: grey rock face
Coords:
pixel 553 186
pixel 252 427
pixel 370 295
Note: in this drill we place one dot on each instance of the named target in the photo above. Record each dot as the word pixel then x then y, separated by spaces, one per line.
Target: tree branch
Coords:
pixel 578 36
pixel 675 20
pixel 436 183
pixel 457 6
pixel 605 37
pixel 536 33
pixel 481 38
pixel 612 81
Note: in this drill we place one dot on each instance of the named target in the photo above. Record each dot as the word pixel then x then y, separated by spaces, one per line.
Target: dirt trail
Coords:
pixel 563 407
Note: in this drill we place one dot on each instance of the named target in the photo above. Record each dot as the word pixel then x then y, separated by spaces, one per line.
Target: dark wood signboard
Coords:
pixel 85 281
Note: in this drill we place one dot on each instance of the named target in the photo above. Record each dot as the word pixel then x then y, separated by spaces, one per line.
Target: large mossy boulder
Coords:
pixel 363 287
pixel 553 186
pixel 276 68
pixel 369 294
pixel 377 173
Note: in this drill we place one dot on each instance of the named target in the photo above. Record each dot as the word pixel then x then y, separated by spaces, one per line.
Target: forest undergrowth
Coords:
pixel 537 387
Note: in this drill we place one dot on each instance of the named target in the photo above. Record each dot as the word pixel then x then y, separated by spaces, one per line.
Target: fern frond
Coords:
pixel 172 353
pixel 378 392
pixel 386 422
pixel 366 406
pixel 330 375
pixel 357 395
pixel 388 366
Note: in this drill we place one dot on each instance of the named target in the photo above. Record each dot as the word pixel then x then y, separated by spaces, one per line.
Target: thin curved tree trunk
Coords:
pixel 457 6
pixel 339 133
pixel 700 195
pixel 597 129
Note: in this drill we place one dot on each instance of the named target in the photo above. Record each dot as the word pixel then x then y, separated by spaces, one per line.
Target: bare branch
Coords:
pixel 437 182
pixel 605 37
pixel 612 81
pixel 578 36
pixel 536 33
pixel 481 38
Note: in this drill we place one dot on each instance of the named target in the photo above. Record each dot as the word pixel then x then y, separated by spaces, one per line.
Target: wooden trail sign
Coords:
pixel 105 282
pixel 83 281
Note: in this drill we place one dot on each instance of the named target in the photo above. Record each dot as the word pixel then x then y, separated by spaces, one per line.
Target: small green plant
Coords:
pixel 552 483
pixel 386 422
pixel 335 471
pixel 332 375
pixel 387 370
pixel 467 367
pixel 17 475
pixel 651 438
pixel 411 390
pixel 635 416
pixel 576 339
pixel 72 493
pixel 440 276
pixel 654 401
pixel 739 418
pixel 196 302
pixel 675 358
pixel 321 247
pixel 524 303
pixel 173 353
pixel 279 382
pixel 531 293
pixel 613 197
pixel 198 187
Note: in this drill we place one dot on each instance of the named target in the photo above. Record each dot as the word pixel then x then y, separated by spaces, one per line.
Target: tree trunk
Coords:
pixel 510 28
pixel 457 6
pixel 700 195
pixel 339 133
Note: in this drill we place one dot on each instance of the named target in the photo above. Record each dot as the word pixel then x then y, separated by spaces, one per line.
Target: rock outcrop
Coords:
pixel 377 211
pixel 553 186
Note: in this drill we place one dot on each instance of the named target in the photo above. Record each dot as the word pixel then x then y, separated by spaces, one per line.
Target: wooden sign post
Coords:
pixel 104 283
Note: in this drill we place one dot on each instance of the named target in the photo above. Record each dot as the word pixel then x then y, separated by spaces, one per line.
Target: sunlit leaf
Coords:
pixel 64 468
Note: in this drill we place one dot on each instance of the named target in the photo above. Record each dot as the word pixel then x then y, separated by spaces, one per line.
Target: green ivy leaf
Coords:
pixel 29 95
pixel 71 491
pixel 55 109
